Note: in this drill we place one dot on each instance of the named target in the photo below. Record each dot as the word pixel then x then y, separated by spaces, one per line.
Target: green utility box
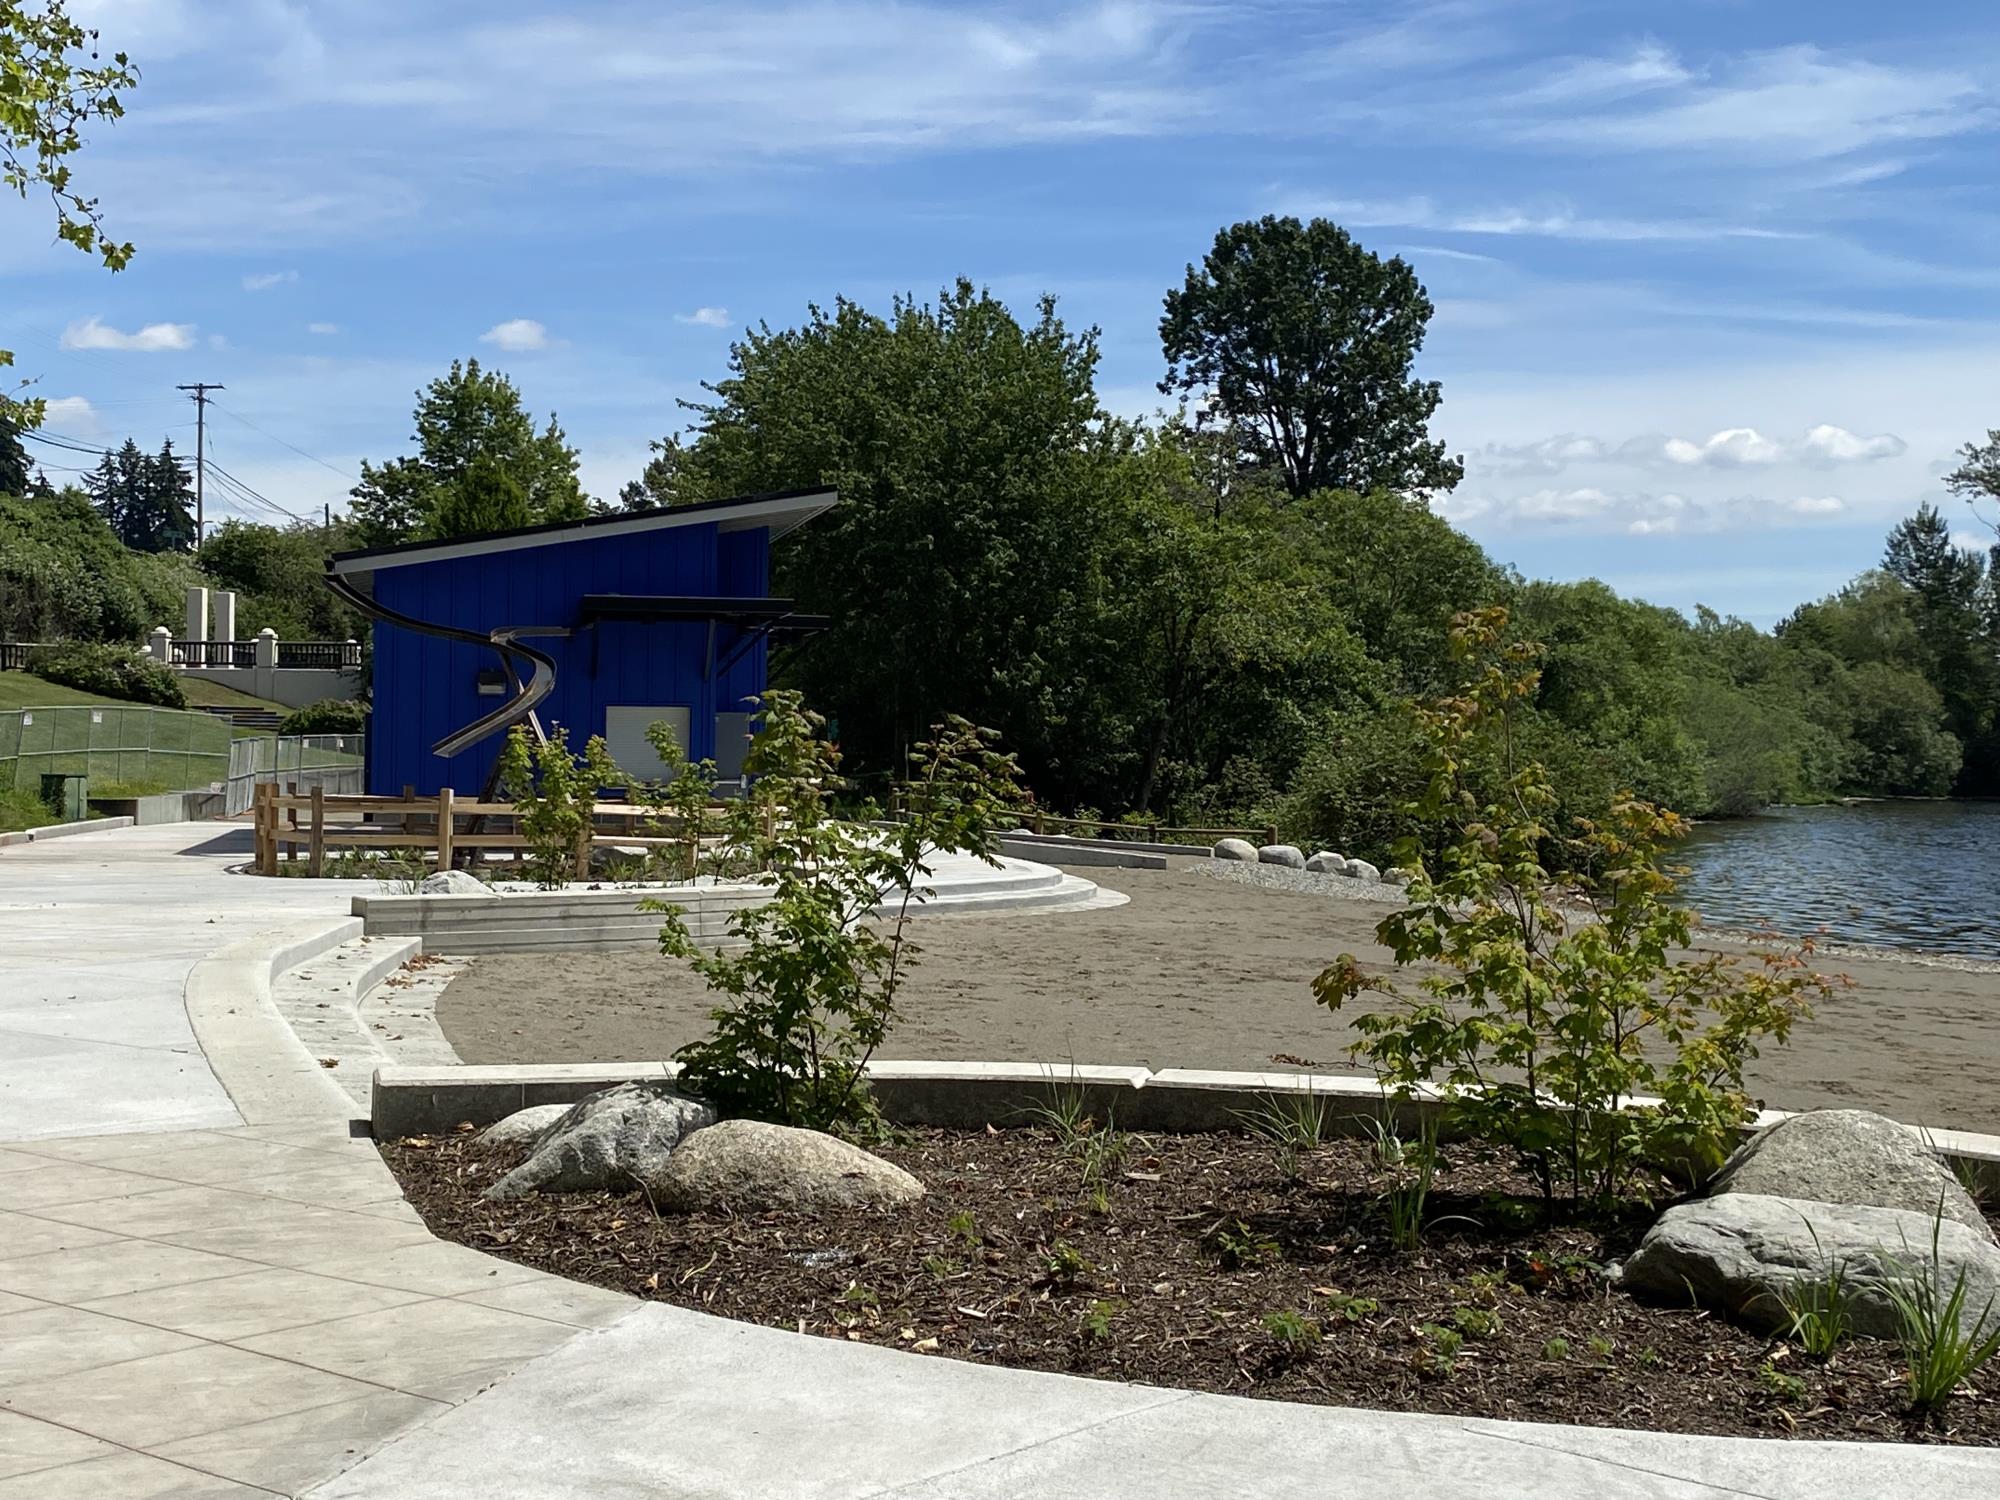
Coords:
pixel 67 796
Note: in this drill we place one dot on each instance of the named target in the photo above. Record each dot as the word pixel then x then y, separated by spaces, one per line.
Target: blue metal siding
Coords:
pixel 426 687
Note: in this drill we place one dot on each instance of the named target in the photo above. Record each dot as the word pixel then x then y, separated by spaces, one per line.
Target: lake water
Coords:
pixel 1900 874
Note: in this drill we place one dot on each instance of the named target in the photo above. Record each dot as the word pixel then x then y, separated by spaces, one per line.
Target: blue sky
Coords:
pixel 1717 288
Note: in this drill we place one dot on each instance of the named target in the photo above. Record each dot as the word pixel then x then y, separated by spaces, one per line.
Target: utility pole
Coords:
pixel 201 388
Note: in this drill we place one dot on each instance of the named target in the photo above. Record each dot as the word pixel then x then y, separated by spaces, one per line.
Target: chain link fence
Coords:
pixel 114 743
pixel 331 761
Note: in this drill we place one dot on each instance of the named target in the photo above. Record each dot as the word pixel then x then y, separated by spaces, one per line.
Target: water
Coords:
pixel 1922 875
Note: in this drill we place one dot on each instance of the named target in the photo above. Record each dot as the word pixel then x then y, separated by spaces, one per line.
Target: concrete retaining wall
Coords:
pixel 1055 852
pixel 295 687
pixel 551 921
pixel 167 807
pixel 970 1095
pixel 63 830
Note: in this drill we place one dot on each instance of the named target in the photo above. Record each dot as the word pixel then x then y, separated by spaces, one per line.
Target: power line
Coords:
pixel 331 468
pixel 238 485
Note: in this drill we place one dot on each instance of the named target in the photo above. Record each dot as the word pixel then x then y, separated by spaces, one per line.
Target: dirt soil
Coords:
pixel 1164 1267
pixel 1198 972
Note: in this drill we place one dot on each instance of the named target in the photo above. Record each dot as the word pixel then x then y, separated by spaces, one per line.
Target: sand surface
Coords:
pixel 1200 972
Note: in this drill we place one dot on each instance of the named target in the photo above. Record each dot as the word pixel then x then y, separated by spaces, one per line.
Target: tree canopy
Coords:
pixel 54 82
pixel 1300 341
pixel 146 500
pixel 480 465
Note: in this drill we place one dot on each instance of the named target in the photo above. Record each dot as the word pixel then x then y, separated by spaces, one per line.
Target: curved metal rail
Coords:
pixel 542 668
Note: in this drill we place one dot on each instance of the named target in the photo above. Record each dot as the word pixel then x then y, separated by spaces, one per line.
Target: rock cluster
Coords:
pixel 650 1136
pixel 1837 1188
pixel 1291 857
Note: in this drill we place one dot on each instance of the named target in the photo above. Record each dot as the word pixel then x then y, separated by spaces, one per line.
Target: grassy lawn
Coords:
pixel 25 690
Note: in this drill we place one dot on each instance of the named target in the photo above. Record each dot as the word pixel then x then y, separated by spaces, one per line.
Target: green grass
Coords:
pixel 25 690
pixel 20 810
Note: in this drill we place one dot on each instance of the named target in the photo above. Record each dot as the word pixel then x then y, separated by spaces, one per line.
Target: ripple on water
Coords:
pixel 1919 875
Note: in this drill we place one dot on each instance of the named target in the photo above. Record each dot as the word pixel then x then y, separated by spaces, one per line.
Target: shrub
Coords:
pixel 1538 1022
pixel 682 800
pixel 109 671
pixel 554 792
pixel 328 716
pixel 809 987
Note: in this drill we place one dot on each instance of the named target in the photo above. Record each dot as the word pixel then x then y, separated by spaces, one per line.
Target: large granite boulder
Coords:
pixel 453 883
pixel 1738 1252
pixel 524 1127
pixel 622 1137
pixel 1240 850
pixel 1327 863
pixel 1849 1156
pixel 752 1167
pixel 1360 869
pixel 1288 855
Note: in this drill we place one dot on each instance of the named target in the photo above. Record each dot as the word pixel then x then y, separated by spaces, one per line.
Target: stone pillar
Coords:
pixel 267 648
pixel 225 620
pixel 197 615
pixel 161 643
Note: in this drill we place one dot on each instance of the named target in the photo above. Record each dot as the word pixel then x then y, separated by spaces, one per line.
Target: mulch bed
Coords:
pixel 1162 1268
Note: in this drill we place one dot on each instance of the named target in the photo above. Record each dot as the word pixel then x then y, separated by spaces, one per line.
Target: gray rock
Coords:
pixel 748 1165
pixel 524 1127
pixel 1239 849
pixel 621 1137
pixel 1288 855
pixel 1849 1156
pixel 1397 875
pixel 453 883
pixel 1360 869
pixel 1327 863
pixel 1737 1254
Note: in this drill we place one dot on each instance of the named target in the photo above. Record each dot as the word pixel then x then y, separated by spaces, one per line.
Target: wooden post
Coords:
pixel 316 851
pixel 583 851
pixel 260 815
pixel 1041 821
pixel 445 829
pixel 1271 834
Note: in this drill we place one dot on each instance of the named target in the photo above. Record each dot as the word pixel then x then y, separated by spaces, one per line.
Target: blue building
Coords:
pixel 600 626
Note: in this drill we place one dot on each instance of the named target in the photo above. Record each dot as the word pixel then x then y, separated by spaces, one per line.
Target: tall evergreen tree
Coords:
pixel 13 461
pixel 1947 585
pixel 145 500
pixel 117 488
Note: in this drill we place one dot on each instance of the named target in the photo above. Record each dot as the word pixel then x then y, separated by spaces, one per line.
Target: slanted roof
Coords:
pixel 782 614
pixel 779 513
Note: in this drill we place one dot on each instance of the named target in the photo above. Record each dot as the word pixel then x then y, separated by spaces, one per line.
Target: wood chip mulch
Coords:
pixel 1157 1260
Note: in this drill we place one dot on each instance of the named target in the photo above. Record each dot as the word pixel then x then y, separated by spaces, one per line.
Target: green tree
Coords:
pixel 978 479
pixel 278 574
pixel 13 460
pixel 1947 591
pixel 54 83
pixel 1301 342
pixel 146 500
pixel 462 418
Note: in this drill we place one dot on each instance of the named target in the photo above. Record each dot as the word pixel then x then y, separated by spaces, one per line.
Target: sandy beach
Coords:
pixel 1202 972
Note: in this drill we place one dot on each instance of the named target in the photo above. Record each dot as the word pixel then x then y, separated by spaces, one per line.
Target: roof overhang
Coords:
pixel 777 514
pixel 781 614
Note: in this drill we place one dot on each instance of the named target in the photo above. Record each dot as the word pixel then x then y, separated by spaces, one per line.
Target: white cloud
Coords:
pixel 71 414
pixel 705 317
pixel 325 330
pixel 1590 509
pixel 94 333
pixel 1792 103
pixel 1822 447
pixel 263 281
pixel 516 335
pixel 1543 221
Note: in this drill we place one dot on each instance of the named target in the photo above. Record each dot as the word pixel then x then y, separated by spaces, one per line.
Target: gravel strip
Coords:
pixel 1281 878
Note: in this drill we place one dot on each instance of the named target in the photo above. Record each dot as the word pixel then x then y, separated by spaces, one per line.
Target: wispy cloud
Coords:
pixel 71 415
pixel 263 281
pixel 516 335
pixel 94 333
pixel 705 317
pixel 323 330
pixel 1545 222
pixel 1591 509
pixel 1797 103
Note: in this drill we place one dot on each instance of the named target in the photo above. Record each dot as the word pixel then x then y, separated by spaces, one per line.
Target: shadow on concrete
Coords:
pixel 228 841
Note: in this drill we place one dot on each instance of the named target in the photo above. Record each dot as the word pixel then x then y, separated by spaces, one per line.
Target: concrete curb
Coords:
pixel 967 1095
pixel 62 830
pixel 255 1055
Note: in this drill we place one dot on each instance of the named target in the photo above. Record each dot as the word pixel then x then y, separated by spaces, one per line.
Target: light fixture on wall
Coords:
pixel 492 682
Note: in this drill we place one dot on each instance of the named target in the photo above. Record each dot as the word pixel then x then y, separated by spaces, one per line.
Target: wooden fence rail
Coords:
pixel 290 823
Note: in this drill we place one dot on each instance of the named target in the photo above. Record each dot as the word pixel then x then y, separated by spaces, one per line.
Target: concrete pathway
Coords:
pixel 249 1308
